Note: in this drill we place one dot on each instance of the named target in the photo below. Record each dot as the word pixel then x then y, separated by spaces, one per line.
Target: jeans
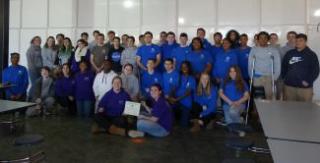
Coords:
pixel 151 128
pixel 232 115
pixel 84 108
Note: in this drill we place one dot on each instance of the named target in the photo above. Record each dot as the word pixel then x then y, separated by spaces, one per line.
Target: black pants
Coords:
pixel 105 122
pixel 66 102
pixel 196 111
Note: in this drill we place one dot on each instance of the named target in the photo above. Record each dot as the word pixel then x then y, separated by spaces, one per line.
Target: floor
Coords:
pixel 67 139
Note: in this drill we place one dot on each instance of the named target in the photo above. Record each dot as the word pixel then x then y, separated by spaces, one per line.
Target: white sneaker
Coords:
pixel 135 134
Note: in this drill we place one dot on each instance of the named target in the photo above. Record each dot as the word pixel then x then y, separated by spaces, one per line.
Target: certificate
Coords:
pixel 132 108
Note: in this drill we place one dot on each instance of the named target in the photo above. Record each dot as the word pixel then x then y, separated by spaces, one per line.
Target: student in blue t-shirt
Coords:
pixel 200 59
pixel 234 92
pixel 201 33
pixel 184 95
pixel 217 47
pixel 167 48
pixel 204 106
pixel 243 56
pixel 170 79
pixel 180 53
pixel 16 76
pixel 149 77
pixel 148 51
pixel 234 36
pixel 159 123
pixel 224 59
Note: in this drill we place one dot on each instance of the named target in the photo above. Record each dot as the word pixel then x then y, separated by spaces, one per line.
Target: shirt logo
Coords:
pixel 20 72
pixel 170 80
pixel 247 55
pixel 294 60
pixel 116 56
pixel 152 50
pixel 86 78
pixel 188 84
pixel 227 59
pixel 156 80
pixel 202 56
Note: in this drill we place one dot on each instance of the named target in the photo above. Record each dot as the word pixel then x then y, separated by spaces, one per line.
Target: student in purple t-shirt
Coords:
pixel 159 123
pixel 110 109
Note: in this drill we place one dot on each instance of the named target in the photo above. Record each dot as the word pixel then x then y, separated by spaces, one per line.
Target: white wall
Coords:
pixel 71 17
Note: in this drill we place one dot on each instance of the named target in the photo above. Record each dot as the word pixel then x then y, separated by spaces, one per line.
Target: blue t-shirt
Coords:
pixel 113 103
pixel 147 80
pixel 186 83
pixel 230 90
pixel 148 52
pixel 166 50
pixel 17 76
pixel 180 54
pixel 224 60
pixel 207 102
pixel 170 82
pixel 162 111
pixel 199 60
pixel 243 59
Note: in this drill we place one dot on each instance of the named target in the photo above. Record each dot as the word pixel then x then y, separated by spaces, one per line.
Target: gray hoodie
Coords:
pixel 285 49
pixel 130 84
pixel 34 58
pixel 263 64
pixel 49 56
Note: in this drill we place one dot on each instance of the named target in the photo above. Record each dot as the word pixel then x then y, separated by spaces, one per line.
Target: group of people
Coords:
pixel 172 81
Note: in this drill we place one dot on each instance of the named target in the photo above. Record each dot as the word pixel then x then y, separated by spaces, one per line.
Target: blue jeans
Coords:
pixel 151 128
pixel 232 115
pixel 84 108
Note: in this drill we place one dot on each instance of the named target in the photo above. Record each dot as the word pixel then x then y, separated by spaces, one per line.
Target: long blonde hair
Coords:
pixel 207 89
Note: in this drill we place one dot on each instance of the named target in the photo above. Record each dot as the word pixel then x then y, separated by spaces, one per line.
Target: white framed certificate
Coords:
pixel 132 108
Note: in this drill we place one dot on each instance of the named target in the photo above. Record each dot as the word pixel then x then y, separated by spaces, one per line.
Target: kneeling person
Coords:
pixel 110 109
pixel 159 123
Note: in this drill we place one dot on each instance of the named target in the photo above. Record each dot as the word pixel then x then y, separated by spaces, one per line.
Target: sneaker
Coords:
pixel 210 125
pixel 135 134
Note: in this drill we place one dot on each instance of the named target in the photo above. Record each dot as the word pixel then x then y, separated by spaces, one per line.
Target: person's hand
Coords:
pixel 304 83
pixel 172 100
pixel 100 110
pixel 38 100
pixel 70 98
pixel 237 103
pixel 141 117
pixel 12 97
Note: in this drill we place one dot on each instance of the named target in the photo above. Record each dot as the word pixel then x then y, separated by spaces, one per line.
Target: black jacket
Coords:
pixel 298 66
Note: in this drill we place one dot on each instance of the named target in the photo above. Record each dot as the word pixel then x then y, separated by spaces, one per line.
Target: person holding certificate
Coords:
pixel 159 123
pixel 109 117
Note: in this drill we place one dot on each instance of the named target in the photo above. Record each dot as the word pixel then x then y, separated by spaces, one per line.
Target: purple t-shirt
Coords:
pixel 113 103
pixel 162 111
